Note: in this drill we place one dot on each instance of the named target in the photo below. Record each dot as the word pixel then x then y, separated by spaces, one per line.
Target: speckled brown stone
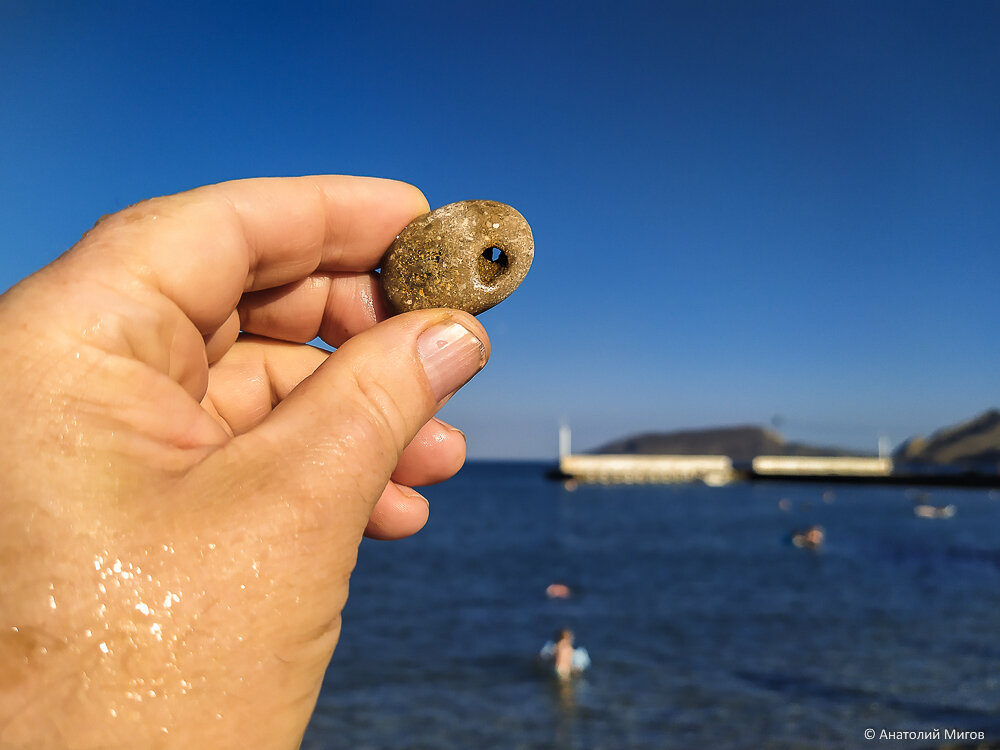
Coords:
pixel 468 255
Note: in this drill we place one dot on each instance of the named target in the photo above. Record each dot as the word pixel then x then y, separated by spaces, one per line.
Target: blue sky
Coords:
pixel 742 211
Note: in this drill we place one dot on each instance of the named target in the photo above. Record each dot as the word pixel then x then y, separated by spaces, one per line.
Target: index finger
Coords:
pixel 204 248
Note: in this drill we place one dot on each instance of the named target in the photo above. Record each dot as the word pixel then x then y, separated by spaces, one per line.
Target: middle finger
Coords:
pixel 333 306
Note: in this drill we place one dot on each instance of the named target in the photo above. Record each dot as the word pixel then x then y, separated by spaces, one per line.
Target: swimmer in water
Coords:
pixel 566 660
pixel 558 591
pixel 809 538
pixel 564 654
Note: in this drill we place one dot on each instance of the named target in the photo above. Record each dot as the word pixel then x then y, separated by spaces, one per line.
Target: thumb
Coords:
pixel 336 438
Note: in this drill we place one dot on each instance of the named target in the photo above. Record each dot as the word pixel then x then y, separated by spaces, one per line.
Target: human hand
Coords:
pixel 181 505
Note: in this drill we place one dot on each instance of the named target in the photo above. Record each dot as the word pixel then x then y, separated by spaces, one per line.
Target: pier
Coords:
pixel 822 466
pixel 629 469
pixel 717 470
pixel 641 469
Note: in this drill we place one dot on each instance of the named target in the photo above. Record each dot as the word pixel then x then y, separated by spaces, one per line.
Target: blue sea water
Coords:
pixel 706 627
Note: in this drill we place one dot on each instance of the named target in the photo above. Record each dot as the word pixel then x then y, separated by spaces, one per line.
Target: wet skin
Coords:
pixel 181 502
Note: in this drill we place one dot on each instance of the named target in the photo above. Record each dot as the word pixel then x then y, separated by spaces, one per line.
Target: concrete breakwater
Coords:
pixel 641 469
pixel 713 467
pixel 720 470
pixel 822 466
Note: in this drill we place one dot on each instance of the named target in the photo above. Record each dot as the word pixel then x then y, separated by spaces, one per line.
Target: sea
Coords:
pixel 706 626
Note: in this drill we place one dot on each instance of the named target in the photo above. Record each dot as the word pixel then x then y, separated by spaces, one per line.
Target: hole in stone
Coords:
pixel 491 265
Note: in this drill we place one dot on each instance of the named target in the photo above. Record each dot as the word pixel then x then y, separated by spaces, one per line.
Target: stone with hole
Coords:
pixel 468 255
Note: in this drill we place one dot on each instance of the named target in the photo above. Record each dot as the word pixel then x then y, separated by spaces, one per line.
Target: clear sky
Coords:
pixel 742 211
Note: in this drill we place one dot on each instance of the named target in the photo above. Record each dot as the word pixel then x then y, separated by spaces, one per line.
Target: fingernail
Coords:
pixel 412 494
pixel 451 355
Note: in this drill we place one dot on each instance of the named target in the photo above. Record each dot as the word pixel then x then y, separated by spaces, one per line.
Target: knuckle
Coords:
pixel 133 216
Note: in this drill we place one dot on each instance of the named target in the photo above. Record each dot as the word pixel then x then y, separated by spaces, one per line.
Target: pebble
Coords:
pixel 469 255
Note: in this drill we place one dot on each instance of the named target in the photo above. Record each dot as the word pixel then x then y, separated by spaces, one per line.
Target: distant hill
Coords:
pixel 740 443
pixel 972 444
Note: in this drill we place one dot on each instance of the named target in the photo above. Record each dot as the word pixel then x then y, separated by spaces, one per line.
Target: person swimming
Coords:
pixel 558 591
pixel 567 660
pixel 811 537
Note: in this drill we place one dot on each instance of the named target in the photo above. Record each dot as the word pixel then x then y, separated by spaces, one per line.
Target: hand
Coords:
pixel 181 504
